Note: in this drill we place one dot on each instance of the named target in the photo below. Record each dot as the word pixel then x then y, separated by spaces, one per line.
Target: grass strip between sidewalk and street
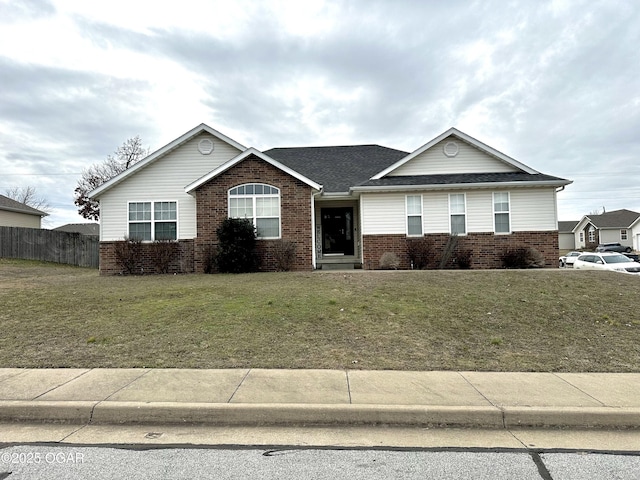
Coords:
pixel 506 320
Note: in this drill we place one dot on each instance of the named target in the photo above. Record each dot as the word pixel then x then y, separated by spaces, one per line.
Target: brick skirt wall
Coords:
pixel 181 258
pixel 487 248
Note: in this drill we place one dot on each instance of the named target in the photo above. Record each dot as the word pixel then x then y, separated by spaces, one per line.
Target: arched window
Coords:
pixel 259 203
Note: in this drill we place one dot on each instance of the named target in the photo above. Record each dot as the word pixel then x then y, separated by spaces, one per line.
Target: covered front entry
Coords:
pixel 337 231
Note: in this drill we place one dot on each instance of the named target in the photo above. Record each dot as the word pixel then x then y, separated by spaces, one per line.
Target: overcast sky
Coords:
pixel 553 84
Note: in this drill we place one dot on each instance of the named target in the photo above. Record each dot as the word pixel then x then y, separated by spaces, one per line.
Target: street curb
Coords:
pixel 230 414
pixel 572 417
pixel 295 414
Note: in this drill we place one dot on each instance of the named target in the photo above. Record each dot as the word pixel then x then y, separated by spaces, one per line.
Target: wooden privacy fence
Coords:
pixel 50 246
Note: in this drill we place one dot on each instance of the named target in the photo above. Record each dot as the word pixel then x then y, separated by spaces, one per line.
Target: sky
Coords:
pixel 554 84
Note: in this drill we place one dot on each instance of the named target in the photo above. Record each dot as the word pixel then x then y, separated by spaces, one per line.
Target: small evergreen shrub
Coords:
pixel 236 246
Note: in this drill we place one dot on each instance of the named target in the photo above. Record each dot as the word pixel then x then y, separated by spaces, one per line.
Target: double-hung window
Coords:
pixel 501 212
pixel 414 215
pixel 458 213
pixel 259 203
pixel 153 220
pixel 592 234
pixel 623 234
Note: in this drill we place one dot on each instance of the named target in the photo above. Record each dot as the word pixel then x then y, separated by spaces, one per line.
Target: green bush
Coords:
pixel 236 246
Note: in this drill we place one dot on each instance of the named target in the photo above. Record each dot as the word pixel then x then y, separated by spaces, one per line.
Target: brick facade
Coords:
pixel 295 211
pixel 486 248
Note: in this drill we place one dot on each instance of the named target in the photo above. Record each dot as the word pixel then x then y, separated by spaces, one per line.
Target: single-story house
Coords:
pixel 566 237
pixel 16 214
pixel 339 204
pixel 622 226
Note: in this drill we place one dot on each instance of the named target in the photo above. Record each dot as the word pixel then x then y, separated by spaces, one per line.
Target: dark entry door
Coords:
pixel 337 231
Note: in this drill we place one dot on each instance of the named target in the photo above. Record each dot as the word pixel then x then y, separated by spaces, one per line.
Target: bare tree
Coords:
pixel 128 154
pixel 29 196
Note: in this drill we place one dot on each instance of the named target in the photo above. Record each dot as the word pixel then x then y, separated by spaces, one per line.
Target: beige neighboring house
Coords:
pixel 16 214
pixel 566 237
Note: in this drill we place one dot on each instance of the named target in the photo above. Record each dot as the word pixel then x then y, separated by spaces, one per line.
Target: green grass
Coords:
pixel 539 320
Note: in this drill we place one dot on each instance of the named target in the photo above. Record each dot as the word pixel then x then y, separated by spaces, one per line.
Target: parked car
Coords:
pixel 568 259
pixel 612 247
pixel 612 261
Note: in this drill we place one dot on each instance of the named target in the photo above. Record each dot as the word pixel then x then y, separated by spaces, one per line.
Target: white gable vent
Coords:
pixel 205 146
pixel 451 149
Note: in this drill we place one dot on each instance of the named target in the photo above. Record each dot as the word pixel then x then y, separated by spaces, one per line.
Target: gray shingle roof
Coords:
pixel 615 219
pixel 82 228
pixel 11 205
pixel 462 178
pixel 337 168
pixel 567 226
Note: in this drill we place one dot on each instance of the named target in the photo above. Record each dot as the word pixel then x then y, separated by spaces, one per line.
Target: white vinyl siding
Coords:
pixel 161 180
pixel 468 160
pixel 383 213
pixel 533 209
pixel 530 209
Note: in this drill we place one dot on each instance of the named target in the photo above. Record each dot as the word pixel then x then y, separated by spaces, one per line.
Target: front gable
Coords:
pixel 454 152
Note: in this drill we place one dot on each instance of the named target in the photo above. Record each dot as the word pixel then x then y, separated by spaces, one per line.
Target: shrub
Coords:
pixel 128 255
pixel 236 246
pixel 420 252
pixel 389 261
pixel 522 257
pixel 162 253
pixel 284 253
pixel 463 258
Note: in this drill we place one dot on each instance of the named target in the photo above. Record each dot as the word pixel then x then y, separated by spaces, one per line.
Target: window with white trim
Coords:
pixel 501 212
pixel 259 203
pixel 414 215
pixel 581 237
pixel 623 234
pixel 592 235
pixel 150 221
pixel 458 213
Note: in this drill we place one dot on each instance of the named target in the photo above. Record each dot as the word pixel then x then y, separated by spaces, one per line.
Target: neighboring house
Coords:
pixel 89 229
pixel 621 226
pixel 16 214
pixel 346 204
pixel 566 237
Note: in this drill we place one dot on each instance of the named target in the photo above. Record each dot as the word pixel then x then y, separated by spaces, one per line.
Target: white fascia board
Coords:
pixel 465 138
pixel 162 152
pixel 454 186
pixel 581 224
pixel 238 158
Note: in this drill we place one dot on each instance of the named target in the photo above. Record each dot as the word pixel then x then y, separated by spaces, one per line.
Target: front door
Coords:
pixel 337 231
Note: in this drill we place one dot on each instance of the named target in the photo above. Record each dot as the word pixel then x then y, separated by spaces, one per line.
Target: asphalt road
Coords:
pixel 97 463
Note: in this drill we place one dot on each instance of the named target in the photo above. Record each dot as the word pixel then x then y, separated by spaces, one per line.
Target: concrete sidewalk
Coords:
pixel 256 397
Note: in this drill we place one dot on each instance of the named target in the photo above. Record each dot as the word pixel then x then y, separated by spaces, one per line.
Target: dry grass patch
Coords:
pixel 543 320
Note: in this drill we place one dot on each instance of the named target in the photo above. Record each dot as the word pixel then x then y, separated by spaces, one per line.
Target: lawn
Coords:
pixel 510 320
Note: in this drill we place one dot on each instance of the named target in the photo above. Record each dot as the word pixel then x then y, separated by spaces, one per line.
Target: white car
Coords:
pixel 615 262
pixel 568 259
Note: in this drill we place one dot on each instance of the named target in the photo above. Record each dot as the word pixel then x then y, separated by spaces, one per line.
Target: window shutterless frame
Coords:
pixel 413 206
pixel 501 212
pixel 152 220
pixel 458 213
pixel 259 203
